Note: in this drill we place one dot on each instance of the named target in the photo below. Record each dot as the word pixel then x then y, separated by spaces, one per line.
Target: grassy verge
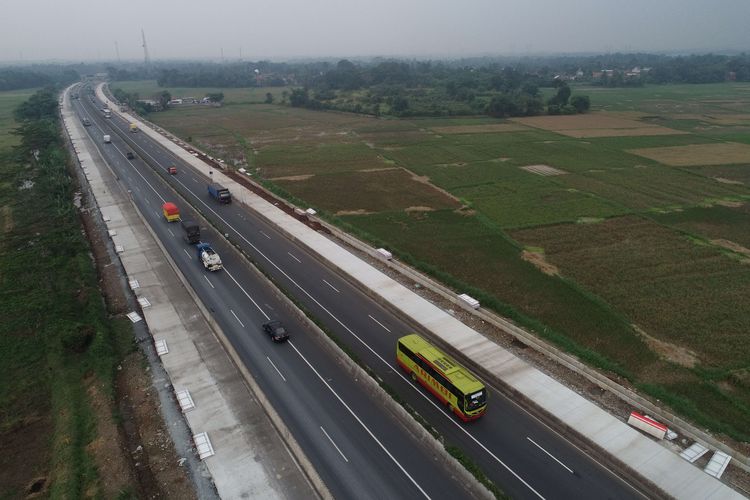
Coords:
pixel 55 335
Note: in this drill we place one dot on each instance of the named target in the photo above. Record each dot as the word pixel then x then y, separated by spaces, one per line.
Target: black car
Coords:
pixel 130 155
pixel 276 331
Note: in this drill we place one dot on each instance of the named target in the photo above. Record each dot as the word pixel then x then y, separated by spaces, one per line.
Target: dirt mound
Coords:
pixel 671 352
pixel 538 260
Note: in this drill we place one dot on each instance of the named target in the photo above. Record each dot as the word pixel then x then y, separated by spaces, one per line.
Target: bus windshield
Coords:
pixel 475 400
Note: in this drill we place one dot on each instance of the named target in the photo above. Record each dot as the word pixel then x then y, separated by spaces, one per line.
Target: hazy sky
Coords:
pixel 88 29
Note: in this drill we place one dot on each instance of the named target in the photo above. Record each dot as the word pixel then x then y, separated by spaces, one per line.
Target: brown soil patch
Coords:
pixel 698 154
pixel 582 122
pixel 108 449
pixel 6 212
pixel 544 170
pixel 423 179
pixel 621 132
pixel 303 177
pixel 360 211
pixel 731 245
pixel 596 125
pixel 149 444
pixel 26 454
pixel 479 129
pixel 730 203
pixel 728 181
pixel 538 260
pixel 671 352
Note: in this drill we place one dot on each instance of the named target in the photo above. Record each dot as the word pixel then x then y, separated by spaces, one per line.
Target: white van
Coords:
pixel 107 139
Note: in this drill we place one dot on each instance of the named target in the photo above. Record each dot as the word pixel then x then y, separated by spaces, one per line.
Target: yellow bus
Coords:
pixel 451 383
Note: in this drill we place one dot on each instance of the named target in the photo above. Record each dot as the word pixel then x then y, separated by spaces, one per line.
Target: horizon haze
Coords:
pixel 85 30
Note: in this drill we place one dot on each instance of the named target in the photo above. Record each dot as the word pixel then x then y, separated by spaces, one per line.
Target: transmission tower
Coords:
pixel 146 58
pixel 117 51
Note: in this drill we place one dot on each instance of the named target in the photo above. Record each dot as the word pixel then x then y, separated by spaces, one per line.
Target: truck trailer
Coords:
pixel 171 212
pixel 219 193
pixel 208 257
pixel 192 231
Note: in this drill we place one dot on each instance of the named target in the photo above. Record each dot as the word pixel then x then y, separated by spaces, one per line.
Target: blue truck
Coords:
pixel 219 193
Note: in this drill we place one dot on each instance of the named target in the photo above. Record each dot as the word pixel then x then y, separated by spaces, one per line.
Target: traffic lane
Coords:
pixel 353 479
pixel 366 460
pixel 328 283
pixel 521 451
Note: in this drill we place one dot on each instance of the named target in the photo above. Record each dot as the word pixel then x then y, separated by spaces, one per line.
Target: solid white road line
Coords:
pixel 351 412
pixel 381 324
pixel 295 258
pixel 550 455
pixel 209 281
pixel 277 370
pixel 238 319
pixel 334 445
pixel 246 294
pixel 365 344
pixel 334 288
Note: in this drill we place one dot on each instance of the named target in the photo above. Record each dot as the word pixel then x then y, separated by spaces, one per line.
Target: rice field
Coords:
pixel 645 229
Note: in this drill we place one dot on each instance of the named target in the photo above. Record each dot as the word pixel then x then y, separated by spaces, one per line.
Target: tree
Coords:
pixel 269 98
pixel 299 98
pixel 581 103
pixel 399 104
pixel 216 97
pixel 501 106
pixel 164 97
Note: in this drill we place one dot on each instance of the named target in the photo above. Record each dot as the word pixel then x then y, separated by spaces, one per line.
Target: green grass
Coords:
pixel 146 89
pixel 8 102
pixel 676 289
pixel 675 98
pixel 463 250
pixel 54 331
pixel 716 222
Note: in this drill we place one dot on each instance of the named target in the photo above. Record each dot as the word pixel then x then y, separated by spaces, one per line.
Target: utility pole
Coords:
pixel 222 55
pixel 117 51
pixel 146 58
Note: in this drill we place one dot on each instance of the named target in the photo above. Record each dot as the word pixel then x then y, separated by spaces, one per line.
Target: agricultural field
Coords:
pixel 621 235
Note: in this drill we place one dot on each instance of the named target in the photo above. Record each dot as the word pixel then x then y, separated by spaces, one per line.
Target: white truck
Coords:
pixel 208 257
pixel 107 139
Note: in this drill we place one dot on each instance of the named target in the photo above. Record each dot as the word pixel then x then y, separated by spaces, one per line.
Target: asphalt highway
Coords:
pixel 358 448
pixel 515 449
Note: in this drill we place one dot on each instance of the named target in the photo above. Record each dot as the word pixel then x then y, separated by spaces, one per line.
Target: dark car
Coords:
pixel 276 331
pixel 130 155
